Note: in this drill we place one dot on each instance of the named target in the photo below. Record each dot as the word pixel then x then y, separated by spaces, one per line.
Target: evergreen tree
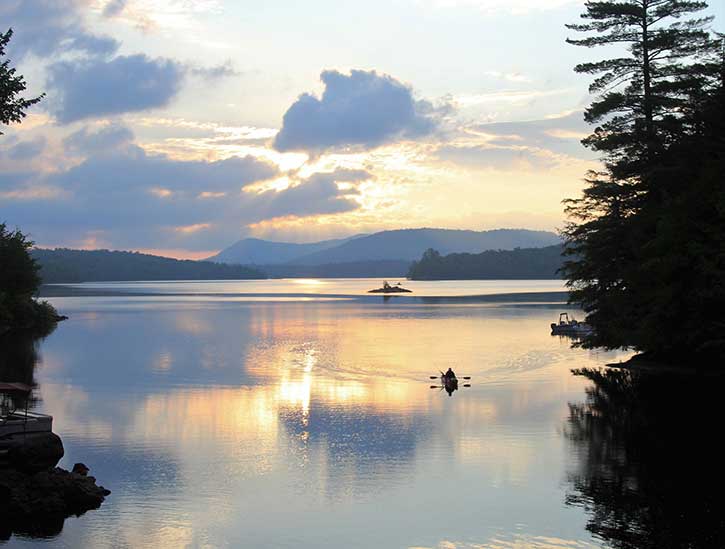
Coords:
pixel 19 282
pixel 642 95
pixel 19 279
pixel 650 129
pixel 12 105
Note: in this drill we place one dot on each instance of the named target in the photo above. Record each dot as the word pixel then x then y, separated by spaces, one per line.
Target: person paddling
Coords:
pixel 450 374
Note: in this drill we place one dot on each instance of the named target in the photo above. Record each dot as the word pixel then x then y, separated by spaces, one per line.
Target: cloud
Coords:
pixel 87 142
pixel 97 87
pixel 312 197
pixel 114 8
pixel 131 168
pixel 340 175
pixel 91 81
pixel 169 15
pixel 361 110
pixel 50 27
pixel 498 158
pixel 561 134
pixel 128 198
pixel 12 181
pixel 223 70
pixel 528 145
pixel 25 150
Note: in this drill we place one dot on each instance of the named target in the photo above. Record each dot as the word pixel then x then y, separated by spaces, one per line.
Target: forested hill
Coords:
pixel 521 263
pixel 63 265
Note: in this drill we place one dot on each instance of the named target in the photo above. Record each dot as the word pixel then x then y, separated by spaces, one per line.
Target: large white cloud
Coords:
pixel 99 87
pixel 362 110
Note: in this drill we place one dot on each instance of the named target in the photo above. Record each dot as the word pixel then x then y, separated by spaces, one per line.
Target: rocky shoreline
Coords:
pixel 37 504
pixel 36 496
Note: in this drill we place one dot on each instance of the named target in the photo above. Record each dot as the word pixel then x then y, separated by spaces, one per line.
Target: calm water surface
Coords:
pixel 228 422
pixel 320 287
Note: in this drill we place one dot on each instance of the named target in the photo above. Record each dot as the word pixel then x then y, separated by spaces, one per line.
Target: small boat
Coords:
pixel 451 382
pixel 388 289
pixel 570 327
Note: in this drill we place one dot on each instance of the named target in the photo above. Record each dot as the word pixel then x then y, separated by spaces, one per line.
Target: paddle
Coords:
pixel 464 377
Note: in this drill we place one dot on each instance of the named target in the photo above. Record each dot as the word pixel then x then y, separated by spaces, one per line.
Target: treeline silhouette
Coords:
pixel 646 235
pixel 521 263
pixel 19 282
pixel 64 265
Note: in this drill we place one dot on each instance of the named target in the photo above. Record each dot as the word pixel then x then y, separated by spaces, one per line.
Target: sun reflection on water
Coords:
pixel 262 420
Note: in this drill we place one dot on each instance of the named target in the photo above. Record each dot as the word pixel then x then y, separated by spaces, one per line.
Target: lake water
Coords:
pixel 242 414
pixel 316 288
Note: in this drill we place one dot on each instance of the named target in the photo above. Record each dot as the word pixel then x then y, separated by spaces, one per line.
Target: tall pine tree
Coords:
pixel 648 107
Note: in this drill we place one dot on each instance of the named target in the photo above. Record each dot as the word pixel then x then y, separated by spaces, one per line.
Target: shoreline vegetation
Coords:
pixel 66 266
pixel 644 240
pixel 520 263
pixel 72 266
pixel 19 283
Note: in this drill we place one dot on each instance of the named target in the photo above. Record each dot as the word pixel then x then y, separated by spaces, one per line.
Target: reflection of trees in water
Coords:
pixel 649 465
pixel 18 357
pixel 35 504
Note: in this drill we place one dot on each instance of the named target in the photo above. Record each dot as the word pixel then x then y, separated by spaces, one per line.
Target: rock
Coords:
pixel 81 469
pixel 390 290
pixel 32 452
pixel 36 504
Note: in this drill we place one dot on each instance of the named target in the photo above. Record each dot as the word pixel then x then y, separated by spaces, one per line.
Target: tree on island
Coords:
pixel 19 280
pixel 645 244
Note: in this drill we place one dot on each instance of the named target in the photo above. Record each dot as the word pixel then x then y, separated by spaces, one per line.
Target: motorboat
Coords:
pixel 570 326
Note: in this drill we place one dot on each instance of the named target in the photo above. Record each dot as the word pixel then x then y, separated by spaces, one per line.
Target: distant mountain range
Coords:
pixel 387 254
pixel 254 251
pixel 398 245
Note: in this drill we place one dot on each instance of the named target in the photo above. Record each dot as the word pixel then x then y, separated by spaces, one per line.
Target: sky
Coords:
pixel 177 127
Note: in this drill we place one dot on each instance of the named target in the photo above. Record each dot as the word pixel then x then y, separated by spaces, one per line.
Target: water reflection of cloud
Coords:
pixel 251 413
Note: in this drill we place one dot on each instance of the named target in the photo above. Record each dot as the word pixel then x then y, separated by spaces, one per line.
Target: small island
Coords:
pixel 388 289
